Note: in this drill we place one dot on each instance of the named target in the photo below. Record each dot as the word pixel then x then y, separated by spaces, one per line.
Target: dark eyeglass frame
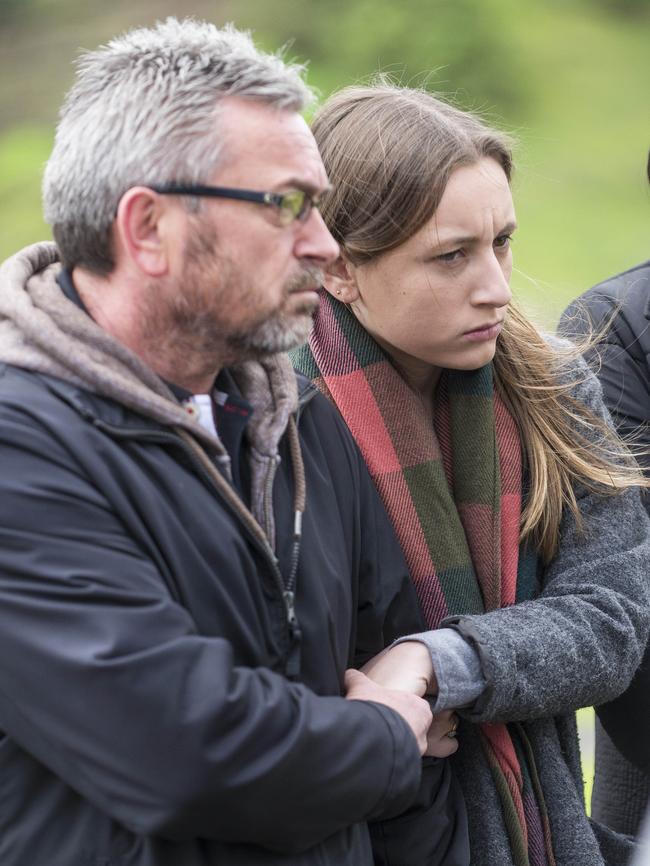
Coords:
pixel 294 205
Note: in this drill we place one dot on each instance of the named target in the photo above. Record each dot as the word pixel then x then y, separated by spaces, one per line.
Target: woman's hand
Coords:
pixel 406 667
pixel 441 738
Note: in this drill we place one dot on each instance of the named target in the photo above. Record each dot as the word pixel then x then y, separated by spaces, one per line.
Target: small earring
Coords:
pixel 338 291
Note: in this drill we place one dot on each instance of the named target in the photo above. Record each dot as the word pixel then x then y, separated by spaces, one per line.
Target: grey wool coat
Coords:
pixel 577 644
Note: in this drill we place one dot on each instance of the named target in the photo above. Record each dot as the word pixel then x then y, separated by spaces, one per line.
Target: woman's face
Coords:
pixel 439 300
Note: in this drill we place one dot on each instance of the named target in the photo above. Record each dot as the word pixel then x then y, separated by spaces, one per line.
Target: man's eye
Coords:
pixel 502 241
pixel 293 201
pixel 294 205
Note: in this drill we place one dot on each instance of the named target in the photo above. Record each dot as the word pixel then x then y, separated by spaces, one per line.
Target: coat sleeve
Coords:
pixel 580 641
pixel 622 368
pixel 106 682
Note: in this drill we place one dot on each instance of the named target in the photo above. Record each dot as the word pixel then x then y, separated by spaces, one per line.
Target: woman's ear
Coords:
pixel 340 280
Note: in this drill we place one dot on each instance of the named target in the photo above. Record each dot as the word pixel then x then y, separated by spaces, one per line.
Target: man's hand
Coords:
pixel 406 667
pixel 414 710
pixel 441 739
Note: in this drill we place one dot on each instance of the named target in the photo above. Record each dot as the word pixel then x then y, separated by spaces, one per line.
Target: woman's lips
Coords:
pixel 487 332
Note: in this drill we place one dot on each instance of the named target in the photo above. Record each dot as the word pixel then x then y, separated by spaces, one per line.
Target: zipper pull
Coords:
pixel 292 667
pixel 290 606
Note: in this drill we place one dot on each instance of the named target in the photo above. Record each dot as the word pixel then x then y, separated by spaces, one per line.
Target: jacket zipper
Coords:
pixel 286 592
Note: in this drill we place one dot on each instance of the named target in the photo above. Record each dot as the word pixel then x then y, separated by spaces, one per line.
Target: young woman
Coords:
pixel 512 499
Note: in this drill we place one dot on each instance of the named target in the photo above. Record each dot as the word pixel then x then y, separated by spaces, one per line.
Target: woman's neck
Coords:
pixel 420 377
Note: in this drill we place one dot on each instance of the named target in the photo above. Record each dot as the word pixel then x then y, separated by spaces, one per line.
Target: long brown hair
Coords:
pixel 389 152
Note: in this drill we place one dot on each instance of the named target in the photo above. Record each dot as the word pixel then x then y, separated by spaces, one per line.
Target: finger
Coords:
pixel 353 675
pixel 353 678
pixel 443 747
pixel 442 737
pixel 445 716
pixel 442 723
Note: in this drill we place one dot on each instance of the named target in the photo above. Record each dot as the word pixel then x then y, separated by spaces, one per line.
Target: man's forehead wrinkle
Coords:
pixel 258 122
pixel 285 155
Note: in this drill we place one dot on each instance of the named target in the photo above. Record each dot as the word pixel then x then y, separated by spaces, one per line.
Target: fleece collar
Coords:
pixel 44 331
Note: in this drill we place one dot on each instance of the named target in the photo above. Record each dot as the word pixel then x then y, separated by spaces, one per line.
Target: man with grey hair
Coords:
pixel 191 552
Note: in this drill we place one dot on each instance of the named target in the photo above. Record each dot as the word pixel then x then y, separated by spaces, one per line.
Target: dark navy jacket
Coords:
pixel 145 713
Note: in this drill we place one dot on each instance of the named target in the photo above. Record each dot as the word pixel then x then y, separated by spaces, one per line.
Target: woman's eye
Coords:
pixel 452 256
pixel 502 241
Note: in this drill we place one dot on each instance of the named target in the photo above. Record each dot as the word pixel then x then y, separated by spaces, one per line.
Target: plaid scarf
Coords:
pixel 453 491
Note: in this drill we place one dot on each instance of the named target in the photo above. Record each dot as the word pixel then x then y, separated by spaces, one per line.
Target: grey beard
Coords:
pixel 271 337
pixel 282 331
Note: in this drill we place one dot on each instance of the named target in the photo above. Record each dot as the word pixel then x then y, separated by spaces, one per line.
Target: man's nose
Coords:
pixel 315 241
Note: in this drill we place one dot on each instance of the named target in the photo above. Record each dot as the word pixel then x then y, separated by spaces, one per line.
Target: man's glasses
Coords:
pixel 294 205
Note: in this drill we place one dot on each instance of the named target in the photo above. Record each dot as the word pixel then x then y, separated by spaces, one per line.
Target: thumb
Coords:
pixel 353 678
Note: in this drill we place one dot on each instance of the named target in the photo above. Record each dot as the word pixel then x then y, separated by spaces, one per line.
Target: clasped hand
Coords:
pixel 407 668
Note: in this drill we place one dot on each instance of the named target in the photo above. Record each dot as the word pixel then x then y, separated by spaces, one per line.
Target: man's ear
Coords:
pixel 140 231
pixel 340 280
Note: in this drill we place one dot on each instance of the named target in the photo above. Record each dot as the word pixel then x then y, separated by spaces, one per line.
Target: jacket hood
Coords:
pixel 41 330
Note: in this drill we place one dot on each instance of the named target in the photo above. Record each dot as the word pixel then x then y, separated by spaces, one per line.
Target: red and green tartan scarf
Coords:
pixel 453 491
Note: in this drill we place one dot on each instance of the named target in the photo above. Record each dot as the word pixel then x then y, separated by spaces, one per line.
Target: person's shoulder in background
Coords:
pixel 623 298
pixel 617 310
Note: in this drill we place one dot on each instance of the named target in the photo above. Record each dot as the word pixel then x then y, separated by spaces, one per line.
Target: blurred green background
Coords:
pixel 570 78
